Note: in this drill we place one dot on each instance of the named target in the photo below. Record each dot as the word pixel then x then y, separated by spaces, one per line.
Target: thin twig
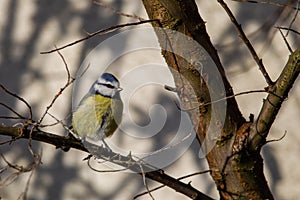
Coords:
pixel 277 140
pixel 181 178
pixel 60 122
pixel 55 123
pixel 285 40
pixel 235 95
pixel 7 117
pixel 141 160
pixel 37 162
pixel 19 169
pixel 269 23
pixel 247 43
pixel 13 111
pixel 100 32
pixel 19 98
pixel 294 19
pixel 118 12
pixel 70 80
pixel 145 182
pixel 267 3
pixel 104 171
pixel 289 29
pixel 222 99
pixel 24 193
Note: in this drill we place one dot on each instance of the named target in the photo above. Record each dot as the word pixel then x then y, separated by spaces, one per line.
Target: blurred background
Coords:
pixel 29 27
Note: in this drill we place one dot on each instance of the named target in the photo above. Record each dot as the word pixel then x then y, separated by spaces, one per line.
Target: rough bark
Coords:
pixel 235 160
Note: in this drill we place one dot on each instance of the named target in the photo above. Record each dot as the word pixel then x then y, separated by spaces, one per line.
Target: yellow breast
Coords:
pixel 88 117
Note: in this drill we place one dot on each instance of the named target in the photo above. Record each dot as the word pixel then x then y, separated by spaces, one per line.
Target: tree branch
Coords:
pixel 65 143
pixel 247 43
pixel 278 93
pixel 237 175
pixel 100 32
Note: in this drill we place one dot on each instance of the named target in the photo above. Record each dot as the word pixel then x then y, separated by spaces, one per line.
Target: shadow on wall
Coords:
pixel 248 15
pixel 93 18
pixel 268 17
pixel 14 67
pixel 273 166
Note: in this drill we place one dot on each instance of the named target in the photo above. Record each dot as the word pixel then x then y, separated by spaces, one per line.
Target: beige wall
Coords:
pixel 29 27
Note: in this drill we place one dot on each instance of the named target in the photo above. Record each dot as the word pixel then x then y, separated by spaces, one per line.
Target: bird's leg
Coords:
pixel 106 145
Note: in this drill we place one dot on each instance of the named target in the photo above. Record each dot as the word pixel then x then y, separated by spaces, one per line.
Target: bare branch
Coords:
pixel 289 29
pixel 247 43
pixel 102 171
pixel 63 142
pixel 181 178
pixel 19 98
pixel 118 12
pixel 268 3
pixel 286 42
pixel 13 111
pixel 145 182
pixel 70 80
pixel 100 32
pixel 279 92
pixel 218 100
pixel 277 140
pixel 294 18
pixel 18 171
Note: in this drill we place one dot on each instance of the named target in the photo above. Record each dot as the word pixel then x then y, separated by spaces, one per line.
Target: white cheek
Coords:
pixel 100 89
pixel 105 91
pixel 97 88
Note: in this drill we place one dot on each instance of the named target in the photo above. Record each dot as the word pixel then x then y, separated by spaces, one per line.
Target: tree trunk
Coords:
pixel 237 171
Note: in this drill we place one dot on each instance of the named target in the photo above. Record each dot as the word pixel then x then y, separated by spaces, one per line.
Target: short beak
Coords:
pixel 119 89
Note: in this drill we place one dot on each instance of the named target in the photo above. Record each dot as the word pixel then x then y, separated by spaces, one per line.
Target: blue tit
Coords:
pixel 100 110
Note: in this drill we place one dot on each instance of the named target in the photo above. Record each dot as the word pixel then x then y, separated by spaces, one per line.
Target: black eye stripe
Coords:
pixel 108 85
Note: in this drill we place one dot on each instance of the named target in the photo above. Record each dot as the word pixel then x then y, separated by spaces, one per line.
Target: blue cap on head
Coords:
pixel 109 77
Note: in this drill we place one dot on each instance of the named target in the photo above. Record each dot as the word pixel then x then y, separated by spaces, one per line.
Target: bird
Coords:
pixel 100 111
